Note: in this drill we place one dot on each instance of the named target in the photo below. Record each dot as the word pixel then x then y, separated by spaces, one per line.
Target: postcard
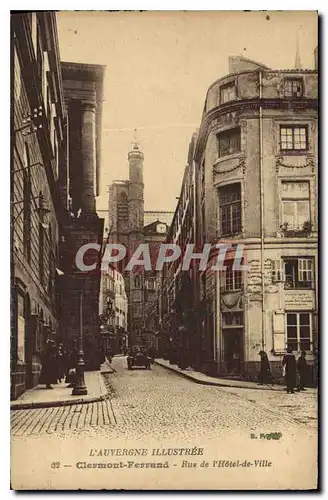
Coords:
pixel 164 250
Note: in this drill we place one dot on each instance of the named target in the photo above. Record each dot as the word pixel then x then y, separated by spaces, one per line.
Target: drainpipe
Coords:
pixel 262 210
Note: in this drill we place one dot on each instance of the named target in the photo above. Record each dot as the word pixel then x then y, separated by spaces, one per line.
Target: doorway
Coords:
pixel 233 350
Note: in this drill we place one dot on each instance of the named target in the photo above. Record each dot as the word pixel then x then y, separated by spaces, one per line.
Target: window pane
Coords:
pixel 305 345
pixel 303 208
pixel 288 208
pixel 304 319
pixel 303 213
pixel 237 280
pixel 291 332
pixel 291 319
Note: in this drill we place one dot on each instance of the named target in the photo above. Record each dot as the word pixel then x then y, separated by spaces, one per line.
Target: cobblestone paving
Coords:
pixel 302 407
pixel 161 404
pixel 61 419
pixel 165 404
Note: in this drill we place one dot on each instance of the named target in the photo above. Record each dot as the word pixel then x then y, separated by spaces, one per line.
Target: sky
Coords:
pixel 159 66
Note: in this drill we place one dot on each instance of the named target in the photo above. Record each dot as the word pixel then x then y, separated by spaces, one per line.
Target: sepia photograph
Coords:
pixel 164 255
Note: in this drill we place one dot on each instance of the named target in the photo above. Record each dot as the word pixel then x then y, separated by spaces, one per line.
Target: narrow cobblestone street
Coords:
pixel 163 404
pixel 158 408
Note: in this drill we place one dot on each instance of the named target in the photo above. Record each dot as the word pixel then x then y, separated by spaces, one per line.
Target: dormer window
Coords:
pixel 228 92
pixel 293 87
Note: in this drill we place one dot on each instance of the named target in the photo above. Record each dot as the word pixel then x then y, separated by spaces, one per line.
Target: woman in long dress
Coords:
pixel 289 362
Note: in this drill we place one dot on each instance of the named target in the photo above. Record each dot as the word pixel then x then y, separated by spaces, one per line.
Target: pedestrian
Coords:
pixel 289 364
pixel 302 368
pixel 48 373
pixel 109 354
pixel 72 364
pixel 60 363
pixel 265 376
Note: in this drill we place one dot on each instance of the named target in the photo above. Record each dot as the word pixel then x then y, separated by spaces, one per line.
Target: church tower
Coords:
pixel 135 279
pixel 136 194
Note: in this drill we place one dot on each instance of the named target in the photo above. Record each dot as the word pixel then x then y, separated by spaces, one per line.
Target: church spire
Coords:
pixel 298 62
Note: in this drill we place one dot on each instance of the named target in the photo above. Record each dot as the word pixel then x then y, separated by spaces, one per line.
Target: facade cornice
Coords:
pixel 211 119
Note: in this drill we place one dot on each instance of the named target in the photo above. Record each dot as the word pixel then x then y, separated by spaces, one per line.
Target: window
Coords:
pixel 33 26
pixel 51 275
pixel 41 252
pixel 229 142
pixel 227 93
pixel 293 138
pixel 27 205
pixel 49 114
pixel 231 280
pixel 20 328
pixel 230 209
pixel 56 154
pixel 293 87
pixel 17 77
pixel 137 282
pixel 298 273
pixel 150 284
pixel 295 205
pixel 299 331
pixel 39 56
pixel 232 319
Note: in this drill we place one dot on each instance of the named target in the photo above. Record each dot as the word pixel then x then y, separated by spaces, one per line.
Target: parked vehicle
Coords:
pixel 138 357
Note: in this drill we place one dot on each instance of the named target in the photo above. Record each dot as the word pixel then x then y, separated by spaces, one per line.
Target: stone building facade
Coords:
pixel 44 234
pixel 256 167
pixel 82 88
pixel 178 332
pixel 113 311
pixel 38 141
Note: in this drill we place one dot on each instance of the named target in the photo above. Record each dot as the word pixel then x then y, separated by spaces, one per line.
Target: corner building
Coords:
pixel 256 160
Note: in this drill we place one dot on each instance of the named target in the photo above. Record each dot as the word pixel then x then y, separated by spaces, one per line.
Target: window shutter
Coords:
pixel 279 331
pixel 305 270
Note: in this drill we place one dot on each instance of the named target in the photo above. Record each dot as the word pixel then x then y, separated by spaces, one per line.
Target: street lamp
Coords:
pixel 80 388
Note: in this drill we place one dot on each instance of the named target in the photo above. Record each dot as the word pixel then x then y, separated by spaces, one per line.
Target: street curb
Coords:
pixel 217 384
pixel 66 402
pixel 55 404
